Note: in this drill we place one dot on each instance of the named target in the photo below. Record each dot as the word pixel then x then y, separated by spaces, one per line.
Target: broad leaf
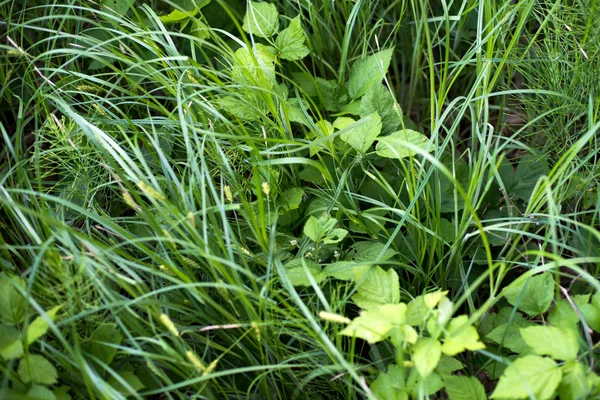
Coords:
pixel 35 368
pixel 417 311
pixel 10 343
pixel 461 336
pixel 39 326
pixel 591 312
pixel 550 341
pixel 377 287
pixel 533 295
pixel 361 135
pixel 564 315
pixel 379 99
pixel 529 376
pixel 12 305
pixel 397 144
pixel 367 72
pixel 261 19
pixel 105 335
pixel 132 384
pixel 369 252
pixel 292 198
pixel 290 41
pixel 177 16
pixel 298 270
pixel 40 393
pixel 346 270
pixel 120 7
pixel 426 355
pixel 376 324
pixel 520 182
pixel 464 388
pixel 448 365
pixel 509 334
pixel 390 385
pixel 574 384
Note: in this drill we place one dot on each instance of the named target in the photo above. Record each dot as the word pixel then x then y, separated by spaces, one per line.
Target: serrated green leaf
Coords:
pixel 261 19
pixel 395 145
pixel 367 72
pixel 120 7
pixel 290 41
pixel 533 295
pixel 417 311
pixel 529 376
pixel 361 135
pixel 550 341
pixel 39 326
pixel 13 306
pixel 40 393
pixel 10 343
pixel 426 355
pixel 563 315
pixel 520 182
pixel 132 386
pixel 62 393
pixel 255 67
pixel 35 368
pixel 343 122
pixel 591 312
pixel 105 335
pixel 448 365
pixel 461 336
pixel 379 99
pixel 311 229
pixel 298 269
pixel 375 325
pixel 346 270
pixel 369 251
pixel 377 287
pixel 509 334
pixel 574 384
pixel 292 198
pixel 390 385
pixel 464 388
pixel 177 16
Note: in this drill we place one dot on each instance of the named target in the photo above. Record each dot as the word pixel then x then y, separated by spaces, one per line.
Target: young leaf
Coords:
pixel 377 287
pixel 290 42
pixel 375 325
pixel 591 312
pixel 379 99
pixel 426 355
pixel 395 145
pixel 35 368
pixel 550 341
pixel 106 334
pixel 464 388
pixel 40 393
pixel 10 343
pixel 311 229
pixel 177 16
pixel 363 133
pixel 367 72
pixel 39 326
pixel 533 295
pixel 461 336
pixel 529 377
pixel 261 19
pixel 12 304
pixel 574 384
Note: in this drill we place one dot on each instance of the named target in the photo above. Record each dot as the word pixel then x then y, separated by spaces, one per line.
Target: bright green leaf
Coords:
pixel 396 144
pixel 39 326
pixel 550 341
pixel 261 19
pixel 298 270
pixel 290 42
pixel 40 393
pixel 35 368
pixel 120 7
pixel 375 325
pixel 564 315
pixel 377 287
pixel 10 343
pixel 346 270
pixel 177 16
pixel 426 355
pixel 368 71
pixel 390 385
pixel 12 304
pixel 311 229
pixel 574 384
pixel 533 295
pixel 369 251
pixel 363 133
pixel 529 376
pixel 461 336
pixel 417 311
pixel 379 99
pixel 464 388
pixel 591 312
pixel 509 334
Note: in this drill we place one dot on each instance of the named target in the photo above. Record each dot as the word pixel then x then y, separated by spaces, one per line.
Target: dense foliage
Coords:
pixel 383 199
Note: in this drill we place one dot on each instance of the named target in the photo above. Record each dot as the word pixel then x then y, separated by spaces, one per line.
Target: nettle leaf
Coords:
pixel 550 341
pixel 426 355
pixel 35 368
pixel 298 270
pixel 256 68
pixel 39 326
pixel 369 251
pixel 290 41
pixel 261 19
pixel 367 72
pixel 533 295
pixel 464 388
pixel 120 7
pixel 379 99
pixel 377 287
pixel 461 336
pixel 323 229
pixel 509 334
pixel 40 393
pixel 396 144
pixel 529 376
pixel 376 324
pixel 10 343
pixel 361 135
pixel 104 336
pixel 13 306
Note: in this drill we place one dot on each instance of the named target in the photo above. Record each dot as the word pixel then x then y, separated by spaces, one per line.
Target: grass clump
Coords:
pixel 214 199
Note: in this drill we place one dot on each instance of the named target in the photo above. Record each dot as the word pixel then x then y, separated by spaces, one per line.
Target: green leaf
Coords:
pixel 39 326
pixel 563 315
pixel 35 368
pixel 13 306
pixel 509 334
pixel 448 365
pixel 520 182
pixel 330 94
pixel 361 135
pixel 290 41
pixel 311 229
pixel 464 388
pixel 461 336
pixel 292 198
pixel 177 16
pixel 256 68
pixel 298 269
pixel 418 387
pixel 450 199
pixel 369 251
pixel 346 270
pixel 62 393
pixel 367 72
pixel 574 384
pixel 417 311
pixel 550 341
pixel 40 393
pixel 390 385
pixel 134 384
pixel 426 355
pixel 379 99
pixel 120 7
pixel 591 312
pixel 376 324
pixel 10 343
pixel 323 229
pixel 533 295
pixel 261 19
pixel 395 145
pixel 343 122
pixel 377 287
pixel 529 376
pixel 105 335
